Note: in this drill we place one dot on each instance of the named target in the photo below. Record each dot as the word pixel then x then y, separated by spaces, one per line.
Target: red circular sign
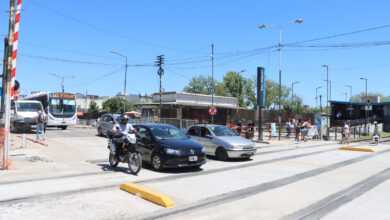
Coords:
pixel 213 110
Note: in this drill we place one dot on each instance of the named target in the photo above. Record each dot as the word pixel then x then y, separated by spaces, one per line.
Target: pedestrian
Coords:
pixel 288 128
pixel 376 135
pixel 298 126
pixel 250 130
pixel 40 119
pixel 239 125
pixel 346 133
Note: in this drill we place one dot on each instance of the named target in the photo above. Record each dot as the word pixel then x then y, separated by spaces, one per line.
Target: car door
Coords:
pixel 206 139
pixel 103 124
pixel 145 141
pixel 193 133
pixel 110 123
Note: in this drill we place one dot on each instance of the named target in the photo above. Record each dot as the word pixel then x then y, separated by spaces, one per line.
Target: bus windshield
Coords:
pixel 59 106
pixel 28 107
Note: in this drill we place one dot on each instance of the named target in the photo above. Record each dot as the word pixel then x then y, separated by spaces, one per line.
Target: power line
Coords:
pixel 100 77
pixel 102 29
pixel 67 60
pixel 339 35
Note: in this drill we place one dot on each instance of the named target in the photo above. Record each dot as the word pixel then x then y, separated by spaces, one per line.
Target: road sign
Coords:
pixel 213 110
pixel 368 101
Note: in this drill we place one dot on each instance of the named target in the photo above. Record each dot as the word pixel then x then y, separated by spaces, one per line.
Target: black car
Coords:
pixel 165 146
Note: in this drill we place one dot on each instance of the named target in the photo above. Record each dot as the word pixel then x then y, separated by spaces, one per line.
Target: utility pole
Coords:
pixel 327 87
pixel 317 96
pixel 292 98
pixel 160 72
pixel 321 103
pixel 124 89
pixel 280 65
pixel 365 126
pixel 7 94
pixel 212 80
pixel 62 80
pixel 350 92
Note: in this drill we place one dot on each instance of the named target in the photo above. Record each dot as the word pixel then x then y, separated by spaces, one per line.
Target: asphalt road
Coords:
pixel 71 179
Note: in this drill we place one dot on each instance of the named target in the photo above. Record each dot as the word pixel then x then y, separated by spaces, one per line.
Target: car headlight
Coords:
pixel 236 147
pixel 172 151
pixel 203 150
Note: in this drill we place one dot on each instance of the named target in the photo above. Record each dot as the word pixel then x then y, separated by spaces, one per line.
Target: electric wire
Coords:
pixel 72 18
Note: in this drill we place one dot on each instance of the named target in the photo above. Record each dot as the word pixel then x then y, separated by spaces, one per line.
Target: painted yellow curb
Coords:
pixel 357 149
pixel 148 194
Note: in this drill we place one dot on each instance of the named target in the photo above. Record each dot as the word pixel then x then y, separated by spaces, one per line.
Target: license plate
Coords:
pixel 193 158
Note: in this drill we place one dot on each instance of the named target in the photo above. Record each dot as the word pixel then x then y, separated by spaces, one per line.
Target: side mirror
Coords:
pixel 208 136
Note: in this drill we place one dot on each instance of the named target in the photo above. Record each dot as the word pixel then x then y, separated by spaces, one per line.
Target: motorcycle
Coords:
pixel 129 153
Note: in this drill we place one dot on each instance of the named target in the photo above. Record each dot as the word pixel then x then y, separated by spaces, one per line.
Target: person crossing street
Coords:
pixel 40 119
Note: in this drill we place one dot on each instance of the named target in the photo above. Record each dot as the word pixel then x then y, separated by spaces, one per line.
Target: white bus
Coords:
pixel 60 108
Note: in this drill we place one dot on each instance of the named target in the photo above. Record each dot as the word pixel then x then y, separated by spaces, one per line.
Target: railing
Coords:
pixel 180 123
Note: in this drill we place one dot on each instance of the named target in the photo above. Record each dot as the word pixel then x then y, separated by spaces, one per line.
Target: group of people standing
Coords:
pixel 299 127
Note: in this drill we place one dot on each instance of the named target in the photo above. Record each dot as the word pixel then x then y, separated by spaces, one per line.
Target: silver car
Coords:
pixel 221 141
pixel 107 122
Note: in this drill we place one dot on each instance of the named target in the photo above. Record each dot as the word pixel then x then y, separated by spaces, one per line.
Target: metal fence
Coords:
pixel 180 123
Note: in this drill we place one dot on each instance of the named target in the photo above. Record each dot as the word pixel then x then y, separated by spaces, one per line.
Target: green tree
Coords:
pixel 272 95
pixel 93 108
pixel 360 97
pixel 115 105
pixel 200 85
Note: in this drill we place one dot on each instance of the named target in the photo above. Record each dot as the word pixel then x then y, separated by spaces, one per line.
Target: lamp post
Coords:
pixel 317 96
pixel 124 89
pixel 350 92
pixel 365 126
pixel 292 98
pixel 238 90
pixel 346 96
pixel 280 63
pixel 327 87
pixel 62 80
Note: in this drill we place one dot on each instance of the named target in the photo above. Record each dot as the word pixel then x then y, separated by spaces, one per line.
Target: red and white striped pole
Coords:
pixel 15 47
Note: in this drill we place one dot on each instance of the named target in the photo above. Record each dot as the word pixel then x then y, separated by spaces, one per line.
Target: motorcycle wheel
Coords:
pixel 113 161
pixel 135 162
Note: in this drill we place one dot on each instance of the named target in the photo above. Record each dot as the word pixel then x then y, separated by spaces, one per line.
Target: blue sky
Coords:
pixel 53 34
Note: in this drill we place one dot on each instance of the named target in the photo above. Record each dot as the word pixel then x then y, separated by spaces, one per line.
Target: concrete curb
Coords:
pixel 35 141
pixel 148 194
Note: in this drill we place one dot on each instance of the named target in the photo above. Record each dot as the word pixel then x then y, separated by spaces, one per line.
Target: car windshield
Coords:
pixel 222 131
pixel 28 107
pixel 167 133
pixel 118 119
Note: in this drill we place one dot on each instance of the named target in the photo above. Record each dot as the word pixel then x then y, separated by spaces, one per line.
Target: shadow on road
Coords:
pixel 229 160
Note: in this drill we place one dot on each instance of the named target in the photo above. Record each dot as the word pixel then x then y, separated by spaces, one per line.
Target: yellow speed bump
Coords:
pixel 357 149
pixel 148 194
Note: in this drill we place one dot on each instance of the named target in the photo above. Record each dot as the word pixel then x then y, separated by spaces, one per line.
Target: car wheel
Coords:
pixel 157 162
pixel 100 132
pixel 221 154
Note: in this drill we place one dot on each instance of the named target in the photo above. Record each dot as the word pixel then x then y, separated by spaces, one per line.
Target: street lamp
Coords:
pixel 292 98
pixel 365 126
pixel 317 96
pixel 350 92
pixel 124 90
pixel 280 63
pixel 327 86
pixel 238 90
pixel 346 96
pixel 62 80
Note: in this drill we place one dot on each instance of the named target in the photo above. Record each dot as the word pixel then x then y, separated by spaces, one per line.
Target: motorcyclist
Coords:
pixel 124 128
